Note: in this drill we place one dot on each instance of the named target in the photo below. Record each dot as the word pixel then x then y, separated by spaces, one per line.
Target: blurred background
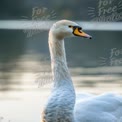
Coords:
pixel 25 73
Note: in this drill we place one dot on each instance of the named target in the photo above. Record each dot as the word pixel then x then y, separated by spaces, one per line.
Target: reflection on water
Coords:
pixel 22 99
pixel 30 73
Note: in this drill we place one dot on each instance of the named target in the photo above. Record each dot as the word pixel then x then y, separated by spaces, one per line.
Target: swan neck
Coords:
pixel 58 59
pixel 61 103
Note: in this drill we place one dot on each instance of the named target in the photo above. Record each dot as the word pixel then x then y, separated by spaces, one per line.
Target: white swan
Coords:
pixel 63 105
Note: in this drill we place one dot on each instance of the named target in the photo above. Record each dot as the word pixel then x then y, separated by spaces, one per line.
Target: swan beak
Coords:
pixel 78 32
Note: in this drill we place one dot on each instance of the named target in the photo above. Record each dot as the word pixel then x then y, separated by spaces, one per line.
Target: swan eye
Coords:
pixel 70 26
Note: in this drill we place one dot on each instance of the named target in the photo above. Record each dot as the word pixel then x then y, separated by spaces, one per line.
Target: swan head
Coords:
pixel 66 28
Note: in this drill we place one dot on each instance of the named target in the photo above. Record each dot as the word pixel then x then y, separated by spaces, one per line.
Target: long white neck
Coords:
pixel 58 60
pixel 61 102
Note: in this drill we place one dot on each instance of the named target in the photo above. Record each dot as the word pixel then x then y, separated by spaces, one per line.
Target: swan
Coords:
pixel 63 104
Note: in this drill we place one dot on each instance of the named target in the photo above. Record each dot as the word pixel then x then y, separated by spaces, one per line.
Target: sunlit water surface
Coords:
pixel 25 89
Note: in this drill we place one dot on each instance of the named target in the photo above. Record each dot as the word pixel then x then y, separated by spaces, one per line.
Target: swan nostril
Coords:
pixel 77 27
pixel 80 28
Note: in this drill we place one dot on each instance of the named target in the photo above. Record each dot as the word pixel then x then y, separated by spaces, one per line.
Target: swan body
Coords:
pixel 102 108
pixel 64 105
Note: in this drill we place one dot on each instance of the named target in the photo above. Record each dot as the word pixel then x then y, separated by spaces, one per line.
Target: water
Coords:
pixel 25 74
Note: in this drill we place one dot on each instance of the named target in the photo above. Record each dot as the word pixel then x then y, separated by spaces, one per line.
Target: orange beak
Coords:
pixel 78 32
